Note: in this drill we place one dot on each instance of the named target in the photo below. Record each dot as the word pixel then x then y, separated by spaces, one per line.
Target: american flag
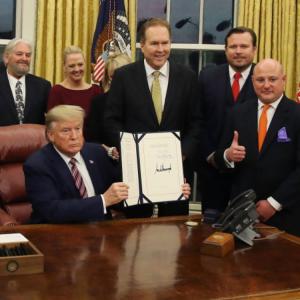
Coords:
pixel 111 35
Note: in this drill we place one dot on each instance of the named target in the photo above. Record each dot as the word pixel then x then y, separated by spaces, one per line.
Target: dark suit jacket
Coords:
pixel 275 171
pixel 37 91
pixel 216 100
pixel 52 191
pixel 2 67
pixel 94 124
pixel 130 107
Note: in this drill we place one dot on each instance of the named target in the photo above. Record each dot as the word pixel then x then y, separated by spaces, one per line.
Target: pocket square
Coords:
pixel 282 136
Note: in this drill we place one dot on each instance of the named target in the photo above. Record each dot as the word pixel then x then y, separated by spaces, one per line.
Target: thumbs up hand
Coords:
pixel 235 153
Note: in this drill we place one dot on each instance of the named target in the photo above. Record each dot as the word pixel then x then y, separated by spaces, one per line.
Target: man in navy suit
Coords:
pixel 130 106
pixel 16 81
pixel 56 197
pixel 269 165
pixel 216 97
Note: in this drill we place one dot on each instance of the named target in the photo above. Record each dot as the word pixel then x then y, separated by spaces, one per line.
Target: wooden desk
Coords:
pixel 151 259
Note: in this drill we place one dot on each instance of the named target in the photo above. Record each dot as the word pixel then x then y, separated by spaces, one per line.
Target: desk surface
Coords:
pixel 149 260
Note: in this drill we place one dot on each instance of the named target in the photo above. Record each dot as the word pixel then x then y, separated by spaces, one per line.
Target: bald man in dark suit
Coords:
pixel 262 142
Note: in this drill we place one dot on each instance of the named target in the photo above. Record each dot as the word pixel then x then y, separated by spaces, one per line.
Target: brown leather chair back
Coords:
pixel 17 142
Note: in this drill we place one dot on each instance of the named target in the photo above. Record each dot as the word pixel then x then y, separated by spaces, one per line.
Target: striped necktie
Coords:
pixel 78 178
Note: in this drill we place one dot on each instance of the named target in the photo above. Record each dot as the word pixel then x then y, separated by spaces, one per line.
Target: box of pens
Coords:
pixel 19 256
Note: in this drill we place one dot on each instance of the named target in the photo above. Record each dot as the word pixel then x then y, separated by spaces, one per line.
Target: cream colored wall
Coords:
pixel 25 22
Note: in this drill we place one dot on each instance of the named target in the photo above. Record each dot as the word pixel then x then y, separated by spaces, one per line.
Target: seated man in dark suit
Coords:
pixel 23 96
pixel 155 94
pixel 68 180
pixel 262 142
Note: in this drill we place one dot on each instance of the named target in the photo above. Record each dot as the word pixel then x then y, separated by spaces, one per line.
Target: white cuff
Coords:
pixel 104 205
pixel 227 162
pixel 276 205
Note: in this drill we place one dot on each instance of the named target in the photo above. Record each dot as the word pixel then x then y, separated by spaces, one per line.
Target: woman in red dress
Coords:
pixel 73 90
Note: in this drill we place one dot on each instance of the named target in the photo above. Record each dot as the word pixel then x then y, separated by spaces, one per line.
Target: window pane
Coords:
pixel 218 19
pixel 189 58
pixel 150 9
pixel 7 19
pixel 184 21
pixel 213 58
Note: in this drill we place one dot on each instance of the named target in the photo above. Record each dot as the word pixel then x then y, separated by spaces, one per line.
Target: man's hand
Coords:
pixel 235 153
pixel 117 192
pixel 186 190
pixel 265 210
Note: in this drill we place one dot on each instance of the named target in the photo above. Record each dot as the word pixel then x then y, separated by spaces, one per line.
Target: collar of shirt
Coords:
pixel 164 70
pixel 12 83
pixel 243 78
pixel 273 104
pixel 270 111
pixel 66 158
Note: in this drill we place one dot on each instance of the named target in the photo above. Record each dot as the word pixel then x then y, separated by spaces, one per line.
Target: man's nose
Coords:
pixel 74 133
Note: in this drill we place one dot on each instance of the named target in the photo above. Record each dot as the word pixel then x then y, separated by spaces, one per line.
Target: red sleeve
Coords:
pixel 54 97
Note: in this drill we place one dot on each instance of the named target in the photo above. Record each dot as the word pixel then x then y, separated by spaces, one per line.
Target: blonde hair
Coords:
pixel 71 50
pixel 114 62
pixel 62 113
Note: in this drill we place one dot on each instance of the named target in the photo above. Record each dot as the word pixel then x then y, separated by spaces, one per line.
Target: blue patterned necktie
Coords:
pixel 19 101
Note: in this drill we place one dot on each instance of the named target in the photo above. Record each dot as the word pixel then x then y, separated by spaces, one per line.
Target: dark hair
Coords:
pixel 151 23
pixel 242 29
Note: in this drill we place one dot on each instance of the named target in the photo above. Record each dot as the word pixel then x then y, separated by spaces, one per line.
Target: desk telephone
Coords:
pixel 239 217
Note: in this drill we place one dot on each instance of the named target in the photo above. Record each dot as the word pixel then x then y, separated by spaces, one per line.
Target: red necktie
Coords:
pixel 236 85
pixel 77 178
pixel 262 126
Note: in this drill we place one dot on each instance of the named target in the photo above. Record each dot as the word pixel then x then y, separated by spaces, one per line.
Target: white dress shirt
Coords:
pixel 163 78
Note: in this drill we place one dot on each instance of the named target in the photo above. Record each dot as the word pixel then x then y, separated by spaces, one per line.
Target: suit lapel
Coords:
pixel 93 169
pixel 29 97
pixel 251 135
pixel 62 170
pixel 171 90
pixel 141 81
pixel 279 119
pixel 242 97
pixel 7 96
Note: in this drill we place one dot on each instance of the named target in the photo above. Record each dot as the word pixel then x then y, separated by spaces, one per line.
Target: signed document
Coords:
pixel 152 166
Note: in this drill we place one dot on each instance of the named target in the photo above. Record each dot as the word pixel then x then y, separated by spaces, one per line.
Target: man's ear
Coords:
pixel 49 135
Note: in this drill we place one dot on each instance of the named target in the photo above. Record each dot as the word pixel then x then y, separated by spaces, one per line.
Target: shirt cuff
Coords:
pixel 276 205
pixel 227 162
pixel 104 205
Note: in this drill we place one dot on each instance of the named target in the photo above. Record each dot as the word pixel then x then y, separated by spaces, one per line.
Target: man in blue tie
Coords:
pixel 68 180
